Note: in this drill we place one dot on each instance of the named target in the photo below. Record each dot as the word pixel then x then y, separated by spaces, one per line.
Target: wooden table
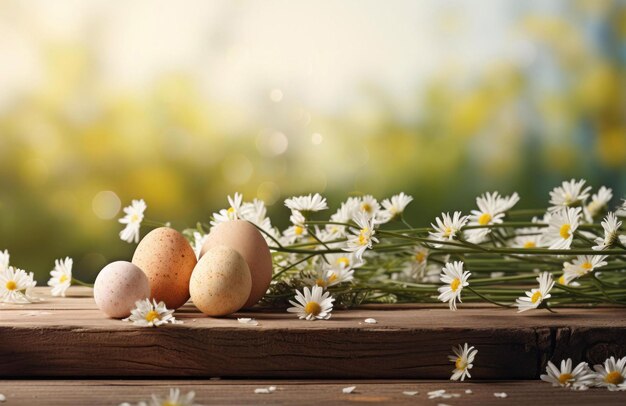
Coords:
pixel 45 344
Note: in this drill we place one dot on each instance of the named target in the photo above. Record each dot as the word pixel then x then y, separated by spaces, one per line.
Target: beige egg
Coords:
pixel 249 242
pixel 118 286
pixel 167 259
pixel 221 282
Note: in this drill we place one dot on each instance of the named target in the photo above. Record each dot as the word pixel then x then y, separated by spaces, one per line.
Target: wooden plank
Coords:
pixel 66 337
pixel 114 392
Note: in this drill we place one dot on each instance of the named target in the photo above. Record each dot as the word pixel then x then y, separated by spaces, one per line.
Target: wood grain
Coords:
pixel 114 392
pixel 69 337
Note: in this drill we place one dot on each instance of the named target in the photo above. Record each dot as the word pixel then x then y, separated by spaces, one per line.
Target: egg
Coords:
pixel 118 286
pixel 167 259
pixel 249 242
pixel 220 283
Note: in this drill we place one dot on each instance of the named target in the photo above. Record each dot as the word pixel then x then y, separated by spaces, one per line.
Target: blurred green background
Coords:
pixel 183 103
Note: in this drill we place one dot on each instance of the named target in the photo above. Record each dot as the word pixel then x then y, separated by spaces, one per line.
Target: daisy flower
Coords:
pixel 560 231
pixel 360 241
pixel 580 377
pixel 611 227
pixel 4 260
pixel 151 314
pixel 463 358
pixel 612 374
pixel 448 226
pixel 599 201
pixel 16 285
pixel 419 259
pixel 394 207
pixel 345 260
pixel 569 194
pixel 61 276
pixel 306 204
pixel 581 266
pixel 343 215
pixel 232 213
pixel 368 205
pixel 530 238
pixel 332 276
pixel 455 279
pixel 312 304
pixel 132 219
pixel 535 297
pixel 489 212
pixel 174 399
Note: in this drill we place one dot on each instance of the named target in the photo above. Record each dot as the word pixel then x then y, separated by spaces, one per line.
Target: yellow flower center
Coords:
pixel 565 378
pixel 332 278
pixel 562 280
pixel 63 278
pixel 447 231
pixel 320 282
pixel 152 315
pixel 344 262
pixel 614 377
pixel 460 363
pixel 420 257
pixel 134 218
pixel 565 231
pixel 11 285
pixel 536 297
pixel 484 219
pixel 231 210
pixel 454 285
pixel 587 266
pixel 363 240
pixel 313 308
pixel 298 230
pixel 530 244
pixel 366 207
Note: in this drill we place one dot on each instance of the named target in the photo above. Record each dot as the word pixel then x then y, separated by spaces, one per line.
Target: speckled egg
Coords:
pixel 167 259
pixel 118 286
pixel 249 242
pixel 221 282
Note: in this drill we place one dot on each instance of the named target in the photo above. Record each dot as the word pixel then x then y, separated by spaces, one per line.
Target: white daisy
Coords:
pixel 581 266
pixel 416 267
pixel 312 304
pixel 4 260
pixel 369 206
pixel 531 238
pixel 394 207
pixel 580 377
pixel 611 227
pixel 151 314
pixel 560 231
pixel 569 194
pixel 535 297
pixel 332 276
pixel 198 242
pixel 463 358
pixel 16 286
pixel 61 276
pixel 359 241
pixel 256 213
pixel 232 213
pixel 343 215
pixel 599 201
pixel 448 226
pixel 455 279
pixel 174 399
pixel 306 204
pixel 344 261
pixel 489 212
pixel 612 374
pixel 132 219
